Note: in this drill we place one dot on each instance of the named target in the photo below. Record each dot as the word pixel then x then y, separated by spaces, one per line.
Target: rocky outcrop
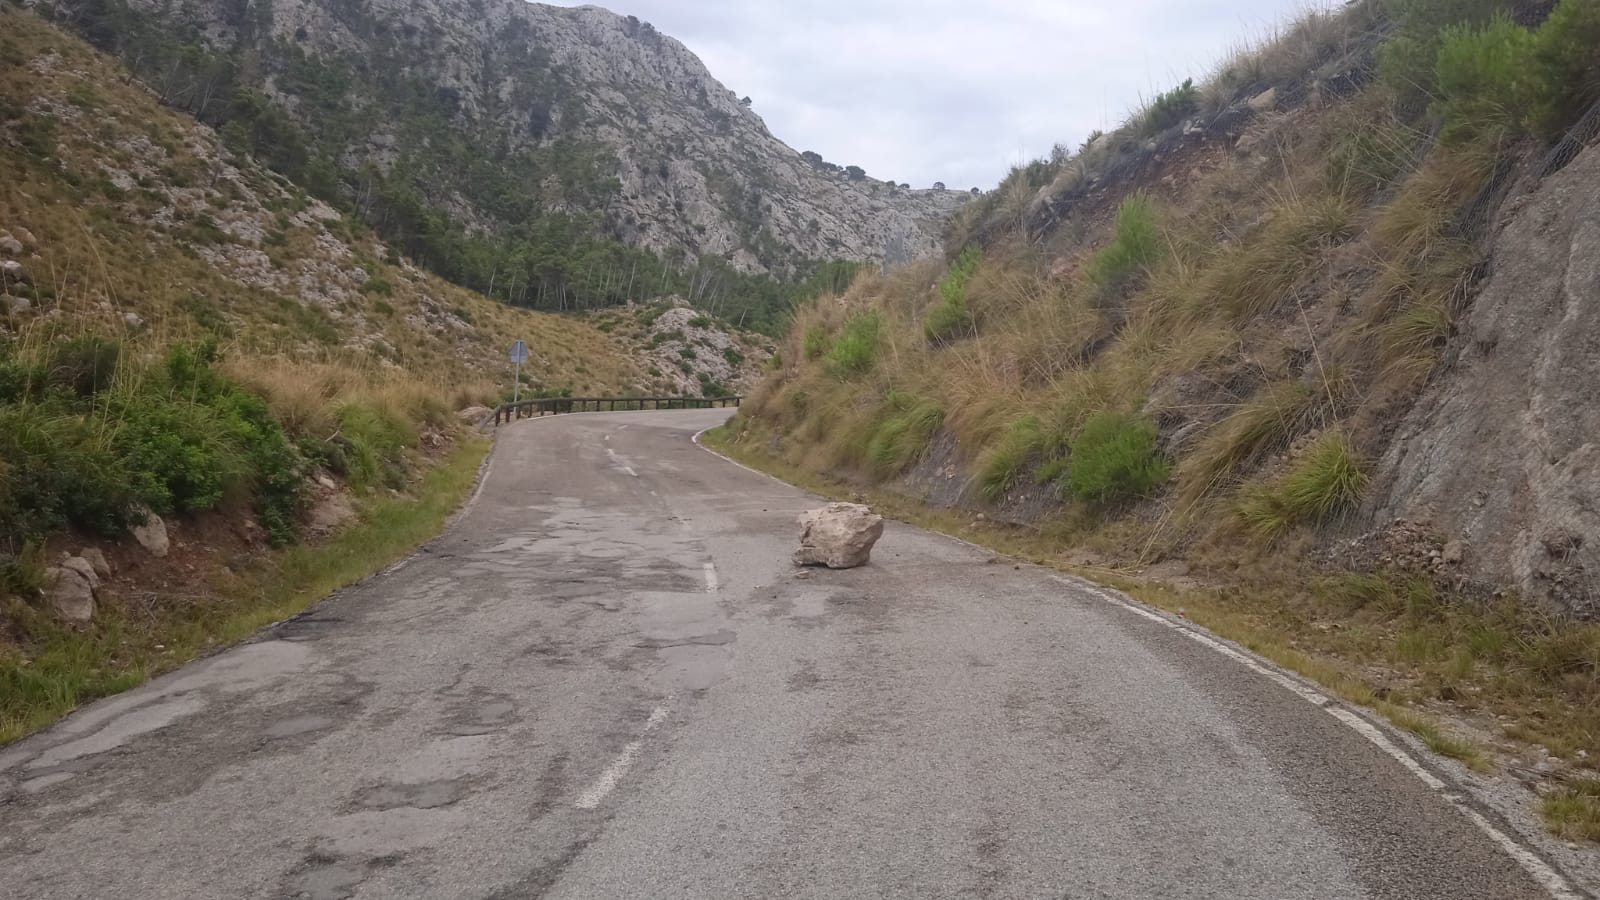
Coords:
pixel 1503 451
pixel 839 536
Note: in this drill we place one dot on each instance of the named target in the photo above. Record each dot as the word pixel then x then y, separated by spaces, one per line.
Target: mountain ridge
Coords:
pixel 551 156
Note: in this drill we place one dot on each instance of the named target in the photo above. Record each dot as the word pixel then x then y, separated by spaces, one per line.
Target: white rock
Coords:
pixel 84 568
pixel 152 535
pixel 474 415
pixel 12 270
pixel 10 245
pixel 1263 101
pixel 69 593
pixel 96 559
pixel 133 320
pixel 16 306
pixel 839 536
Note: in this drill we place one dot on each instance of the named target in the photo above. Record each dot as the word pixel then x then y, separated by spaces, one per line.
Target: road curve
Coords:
pixel 607 681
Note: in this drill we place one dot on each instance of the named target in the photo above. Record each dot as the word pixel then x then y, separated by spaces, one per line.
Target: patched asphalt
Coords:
pixel 607 680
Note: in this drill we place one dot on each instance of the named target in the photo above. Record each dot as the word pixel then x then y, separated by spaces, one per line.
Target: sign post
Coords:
pixel 519 355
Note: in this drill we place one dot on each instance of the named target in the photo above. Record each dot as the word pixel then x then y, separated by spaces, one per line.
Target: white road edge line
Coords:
pixel 1548 878
pixel 608 780
pixel 711 577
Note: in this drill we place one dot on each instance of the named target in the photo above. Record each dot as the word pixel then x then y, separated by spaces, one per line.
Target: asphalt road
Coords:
pixel 606 680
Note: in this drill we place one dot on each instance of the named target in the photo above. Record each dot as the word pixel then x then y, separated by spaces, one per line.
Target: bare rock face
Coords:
pixel 695 169
pixel 152 535
pixel 1504 450
pixel 70 594
pixel 839 536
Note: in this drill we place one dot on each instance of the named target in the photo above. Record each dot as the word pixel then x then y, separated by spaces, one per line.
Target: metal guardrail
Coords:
pixel 549 406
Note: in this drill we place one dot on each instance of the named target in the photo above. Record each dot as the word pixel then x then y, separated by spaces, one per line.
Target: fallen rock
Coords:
pixel 473 415
pixel 15 306
pixel 133 320
pixel 97 560
pixel 12 271
pixel 10 245
pixel 69 593
pixel 1267 99
pixel 25 236
pixel 839 536
pixel 152 535
pixel 1454 553
pixel 82 567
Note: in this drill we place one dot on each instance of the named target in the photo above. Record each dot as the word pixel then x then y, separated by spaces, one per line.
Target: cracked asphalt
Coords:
pixel 606 680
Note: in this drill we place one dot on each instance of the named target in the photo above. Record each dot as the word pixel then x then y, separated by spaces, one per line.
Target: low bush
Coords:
pixel 1485 79
pixel 1135 246
pixel 176 437
pixel 949 317
pixel 1566 61
pixel 856 347
pixel 1114 459
pixel 1170 108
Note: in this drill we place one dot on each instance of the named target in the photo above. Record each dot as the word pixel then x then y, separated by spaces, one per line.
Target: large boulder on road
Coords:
pixel 839 536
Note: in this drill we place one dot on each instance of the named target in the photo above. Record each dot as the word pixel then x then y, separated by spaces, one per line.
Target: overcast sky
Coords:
pixel 953 90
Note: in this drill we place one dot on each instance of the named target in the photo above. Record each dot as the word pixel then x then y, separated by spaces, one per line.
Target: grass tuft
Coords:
pixel 1328 479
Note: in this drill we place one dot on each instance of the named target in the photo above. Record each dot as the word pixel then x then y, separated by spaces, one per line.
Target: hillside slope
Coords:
pixel 515 147
pixel 133 219
pixel 1316 335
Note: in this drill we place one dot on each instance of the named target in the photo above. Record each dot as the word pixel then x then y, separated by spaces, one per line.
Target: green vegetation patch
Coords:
pixel 950 318
pixel 856 347
pixel 1114 459
pixel 1135 246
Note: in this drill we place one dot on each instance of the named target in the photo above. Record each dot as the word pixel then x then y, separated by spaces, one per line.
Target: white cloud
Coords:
pixel 951 91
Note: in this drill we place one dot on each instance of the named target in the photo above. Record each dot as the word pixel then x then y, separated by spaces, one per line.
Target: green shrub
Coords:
pixel 949 316
pixel 1566 62
pixel 700 322
pixel 856 347
pixel 1406 62
pixel 59 471
pixel 900 439
pixel 1135 246
pixel 733 356
pixel 1327 479
pixel 183 455
pixel 1485 78
pixel 816 342
pixel 1170 108
pixel 1114 459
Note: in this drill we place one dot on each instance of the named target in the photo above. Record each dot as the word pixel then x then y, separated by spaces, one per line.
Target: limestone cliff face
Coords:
pixel 1503 451
pixel 683 167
